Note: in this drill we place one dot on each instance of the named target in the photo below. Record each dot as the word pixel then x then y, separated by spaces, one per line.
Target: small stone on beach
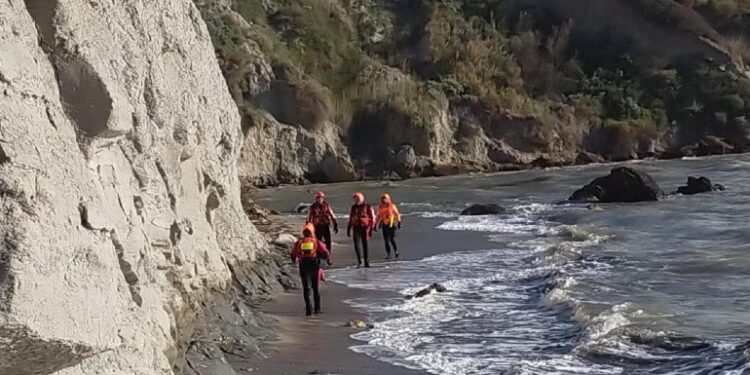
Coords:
pixel 358 324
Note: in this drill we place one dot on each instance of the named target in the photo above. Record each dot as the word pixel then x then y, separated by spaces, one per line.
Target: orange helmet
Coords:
pixel 387 197
pixel 309 227
pixel 320 194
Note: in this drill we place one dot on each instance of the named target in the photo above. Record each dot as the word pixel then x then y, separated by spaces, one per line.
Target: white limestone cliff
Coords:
pixel 119 199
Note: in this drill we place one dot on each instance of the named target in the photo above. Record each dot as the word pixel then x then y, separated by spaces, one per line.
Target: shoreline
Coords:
pixel 320 345
pixel 510 169
pixel 290 352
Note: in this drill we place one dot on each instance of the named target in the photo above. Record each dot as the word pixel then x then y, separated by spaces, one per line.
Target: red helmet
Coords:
pixel 320 194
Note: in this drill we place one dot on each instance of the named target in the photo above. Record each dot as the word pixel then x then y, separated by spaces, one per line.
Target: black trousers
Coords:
pixel 323 233
pixel 360 243
pixel 308 272
pixel 389 236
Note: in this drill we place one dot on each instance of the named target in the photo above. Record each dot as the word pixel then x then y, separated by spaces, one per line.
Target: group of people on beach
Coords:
pixel 315 245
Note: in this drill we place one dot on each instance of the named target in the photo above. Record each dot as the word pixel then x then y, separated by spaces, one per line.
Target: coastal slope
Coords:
pixel 343 90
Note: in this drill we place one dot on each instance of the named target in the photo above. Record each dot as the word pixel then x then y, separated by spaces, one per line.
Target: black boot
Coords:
pixel 317 310
pixel 308 311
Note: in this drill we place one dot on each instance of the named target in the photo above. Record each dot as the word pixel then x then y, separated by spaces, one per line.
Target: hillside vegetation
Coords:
pixel 434 87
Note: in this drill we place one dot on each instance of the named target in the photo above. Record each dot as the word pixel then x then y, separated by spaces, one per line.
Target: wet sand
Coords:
pixel 319 345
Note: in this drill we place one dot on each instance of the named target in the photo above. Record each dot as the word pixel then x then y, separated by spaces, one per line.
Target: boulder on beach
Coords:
pixel 302 207
pixel 483 209
pixel 285 240
pixel 434 287
pixel 623 184
pixel 697 185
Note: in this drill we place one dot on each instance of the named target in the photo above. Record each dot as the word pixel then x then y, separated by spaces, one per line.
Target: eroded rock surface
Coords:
pixel 120 204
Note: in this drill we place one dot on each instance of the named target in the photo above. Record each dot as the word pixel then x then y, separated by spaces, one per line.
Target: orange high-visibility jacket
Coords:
pixel 388 215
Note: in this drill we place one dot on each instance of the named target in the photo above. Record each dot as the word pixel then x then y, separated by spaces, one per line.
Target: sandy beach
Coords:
pixel 319 345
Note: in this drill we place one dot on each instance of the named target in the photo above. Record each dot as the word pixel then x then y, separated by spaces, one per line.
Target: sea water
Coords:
pixel 558 288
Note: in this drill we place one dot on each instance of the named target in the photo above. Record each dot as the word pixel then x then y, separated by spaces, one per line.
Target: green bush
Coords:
pixel 623 99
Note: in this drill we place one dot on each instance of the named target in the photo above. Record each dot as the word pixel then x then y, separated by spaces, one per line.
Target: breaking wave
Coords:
pixel 524 306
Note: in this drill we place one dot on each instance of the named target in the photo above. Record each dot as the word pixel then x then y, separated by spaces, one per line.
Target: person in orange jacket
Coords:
pixel 308 251
pixel 362 221
pixel 388 219
pixel 320 214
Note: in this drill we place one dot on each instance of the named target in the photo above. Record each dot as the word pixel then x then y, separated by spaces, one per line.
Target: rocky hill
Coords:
pixel 340 89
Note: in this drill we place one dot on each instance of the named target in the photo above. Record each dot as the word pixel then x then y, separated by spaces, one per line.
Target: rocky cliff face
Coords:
pixel 289 137
pixel 276 153
pixel 336 90
pixel 119 191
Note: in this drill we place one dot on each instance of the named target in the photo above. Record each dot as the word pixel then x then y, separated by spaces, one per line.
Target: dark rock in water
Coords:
pixel 433 287
pixel 623 184
pixel 302 207
pixel 669 342
pixel 483 209
pixel 709 145
pixel 697 185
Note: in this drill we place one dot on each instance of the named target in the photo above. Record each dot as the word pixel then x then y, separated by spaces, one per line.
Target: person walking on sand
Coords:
pixel 388 219
pixel 361 222
pixel 308 251
pixel 321 216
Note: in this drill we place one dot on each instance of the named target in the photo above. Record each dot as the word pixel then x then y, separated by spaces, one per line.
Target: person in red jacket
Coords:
pixel 308 252
pixel 362 222
pixel 321 216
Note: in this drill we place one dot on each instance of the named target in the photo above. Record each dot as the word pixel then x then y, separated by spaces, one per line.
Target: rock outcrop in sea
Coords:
pixel 697 185
pixel 483 209
pixel 623 184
